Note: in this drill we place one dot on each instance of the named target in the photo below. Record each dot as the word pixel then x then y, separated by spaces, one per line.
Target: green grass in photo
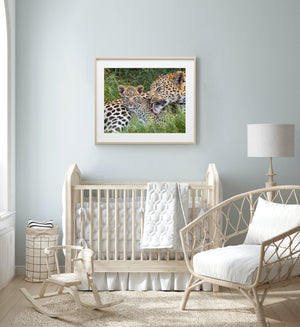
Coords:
pixel 173 122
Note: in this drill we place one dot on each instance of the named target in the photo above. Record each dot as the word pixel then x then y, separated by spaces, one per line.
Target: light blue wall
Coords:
pixel 248 71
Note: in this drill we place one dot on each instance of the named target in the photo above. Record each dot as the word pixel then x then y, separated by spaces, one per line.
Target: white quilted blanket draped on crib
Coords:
pixel 165 214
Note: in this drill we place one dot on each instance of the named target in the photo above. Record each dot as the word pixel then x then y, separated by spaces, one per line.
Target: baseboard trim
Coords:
pixel 20 270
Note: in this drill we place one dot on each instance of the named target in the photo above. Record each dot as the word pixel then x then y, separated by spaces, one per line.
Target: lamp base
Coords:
pixel 270 182
pixel 270 195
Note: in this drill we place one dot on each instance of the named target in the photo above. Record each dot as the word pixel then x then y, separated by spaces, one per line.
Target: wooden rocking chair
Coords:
pixel 67 282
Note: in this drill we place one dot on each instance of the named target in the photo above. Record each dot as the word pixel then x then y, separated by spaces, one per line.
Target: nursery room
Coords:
pixel 149 163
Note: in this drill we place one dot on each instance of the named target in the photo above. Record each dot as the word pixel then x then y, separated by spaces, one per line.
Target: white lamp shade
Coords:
pixel 271 140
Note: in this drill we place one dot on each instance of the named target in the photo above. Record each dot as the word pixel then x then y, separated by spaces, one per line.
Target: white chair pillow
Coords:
pixel 271 219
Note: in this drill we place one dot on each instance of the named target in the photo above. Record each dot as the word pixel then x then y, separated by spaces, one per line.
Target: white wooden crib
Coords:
pixel 109 217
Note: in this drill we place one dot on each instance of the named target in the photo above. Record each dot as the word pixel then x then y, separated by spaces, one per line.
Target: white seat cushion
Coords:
pixel 67 278
pixel 236 264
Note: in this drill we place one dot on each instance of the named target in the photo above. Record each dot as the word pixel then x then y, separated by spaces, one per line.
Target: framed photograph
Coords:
pixel 145 100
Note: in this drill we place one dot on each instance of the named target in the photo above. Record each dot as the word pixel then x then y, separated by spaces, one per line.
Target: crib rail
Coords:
pixel 113 212
pixel 133 186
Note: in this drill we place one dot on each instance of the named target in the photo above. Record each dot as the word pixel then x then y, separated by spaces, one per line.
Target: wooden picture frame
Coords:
pixel 171 112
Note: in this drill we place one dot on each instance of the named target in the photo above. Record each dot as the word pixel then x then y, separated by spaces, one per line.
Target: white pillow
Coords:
pixel 271 219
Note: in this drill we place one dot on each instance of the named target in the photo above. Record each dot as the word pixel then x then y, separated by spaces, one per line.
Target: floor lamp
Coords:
pixel 271 140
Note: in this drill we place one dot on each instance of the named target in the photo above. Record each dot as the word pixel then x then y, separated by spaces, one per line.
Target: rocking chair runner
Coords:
pixel 67 282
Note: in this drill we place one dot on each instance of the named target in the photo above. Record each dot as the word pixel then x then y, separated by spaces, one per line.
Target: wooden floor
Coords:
pixel 282 306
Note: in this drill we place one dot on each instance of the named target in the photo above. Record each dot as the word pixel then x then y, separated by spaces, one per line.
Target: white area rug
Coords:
pixel 145 309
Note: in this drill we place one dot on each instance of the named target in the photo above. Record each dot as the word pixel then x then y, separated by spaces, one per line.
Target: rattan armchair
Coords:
pixel 227 224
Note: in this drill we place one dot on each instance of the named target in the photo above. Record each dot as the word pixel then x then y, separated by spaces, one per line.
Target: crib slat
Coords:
pixel 82 213
pixel 194 210
pixel 142 219
pixel 201 226
pixel 107 225
pixel 116 224
pixel 133 224
pixel 211 231
pixel 91 218
pixel 125 226
pixel 193 204
pixel 202 194
pixel 99 223
pixel 251 207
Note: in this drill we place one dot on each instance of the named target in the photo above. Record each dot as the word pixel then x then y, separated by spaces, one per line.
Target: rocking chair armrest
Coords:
pixel 53 251
pixel 285 251
pixel 62 247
